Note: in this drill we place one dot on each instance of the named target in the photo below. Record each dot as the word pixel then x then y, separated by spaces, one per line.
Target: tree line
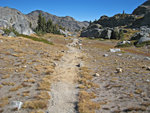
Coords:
pixel 46 27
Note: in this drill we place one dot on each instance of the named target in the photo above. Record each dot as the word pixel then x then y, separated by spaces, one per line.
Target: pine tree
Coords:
pixel 49 26
pixel 39 27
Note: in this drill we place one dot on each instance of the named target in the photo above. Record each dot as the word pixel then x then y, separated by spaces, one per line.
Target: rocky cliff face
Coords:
pixel 143 15
pixel 142 9
pixel 67 22
pixel 139 17
pixel 13 18
pixel 117 20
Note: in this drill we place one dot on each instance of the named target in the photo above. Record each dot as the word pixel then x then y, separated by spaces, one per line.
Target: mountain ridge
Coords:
pixel 66 21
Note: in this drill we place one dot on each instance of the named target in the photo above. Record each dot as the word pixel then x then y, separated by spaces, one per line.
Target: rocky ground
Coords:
pixel 73 75
pixel 123 77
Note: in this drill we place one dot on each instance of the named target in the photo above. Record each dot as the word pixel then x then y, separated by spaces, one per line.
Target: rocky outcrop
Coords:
pixel 142 36
pixel 96 31
pixel 66 22
pixel 13 18
pixel 142 9
pixel 117 20
pixel 143 15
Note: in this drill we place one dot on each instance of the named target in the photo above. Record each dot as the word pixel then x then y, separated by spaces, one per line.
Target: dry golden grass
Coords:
pixel 25 93
pixel 44 85
pixel 28 75
pixel 43 95
pixel 1 86
pixel 35 104
pixel 16 88
pixel 85 104
pixel 30 80
pixel 8 83
pixel 5 76
pixel 25 84
pixel 3 102
pixel 37 111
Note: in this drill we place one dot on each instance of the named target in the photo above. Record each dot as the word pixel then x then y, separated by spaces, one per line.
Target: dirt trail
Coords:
pixel 64 90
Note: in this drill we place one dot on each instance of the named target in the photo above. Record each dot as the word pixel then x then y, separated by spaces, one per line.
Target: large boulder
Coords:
pixel 144 32
pixel 106 33
pixel 13 18
pixel 92 33
pixel 143 39
pixel 1 31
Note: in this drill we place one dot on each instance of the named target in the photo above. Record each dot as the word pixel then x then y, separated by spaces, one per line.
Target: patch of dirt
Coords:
pixel 64 91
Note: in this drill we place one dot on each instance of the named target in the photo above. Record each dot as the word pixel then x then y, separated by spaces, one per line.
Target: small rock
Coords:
pixel 16 105
pixel 119 54
pixel 1 41
pixel 11 34
pixel 147 58
pixel 96 74
pixel 115 50
pixel 119 70
pixel 1 31
pixel 105 55
pixel 24 66
pixel 79 65
pixel 148 68
pixel 147 80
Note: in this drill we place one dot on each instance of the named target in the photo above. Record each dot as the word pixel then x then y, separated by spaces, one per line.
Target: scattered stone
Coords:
pixel 147 80
pixel 16 105
pixel 147 58
pixel 105 108
pixel 115 50
pixel 1 41
pixel 105 55
pixel 79 65
pixel 119 54
pixel 11 34
pixel 1 31
pixel 148 68
pixel 96 74
pixel 119 70
pixel 123 42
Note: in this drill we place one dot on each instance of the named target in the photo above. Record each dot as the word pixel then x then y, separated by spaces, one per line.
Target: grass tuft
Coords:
pixel 35 104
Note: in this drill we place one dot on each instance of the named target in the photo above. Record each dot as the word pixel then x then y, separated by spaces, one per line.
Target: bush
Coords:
pixel 9 30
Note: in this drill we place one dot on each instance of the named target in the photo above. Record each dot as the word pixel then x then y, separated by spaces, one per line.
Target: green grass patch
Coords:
pixel 36 39
pixel 125 45
pixel 142 44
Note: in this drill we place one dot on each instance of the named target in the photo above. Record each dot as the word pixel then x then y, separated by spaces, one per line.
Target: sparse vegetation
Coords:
pixel 36 39
pixel 4 101
pixel 85 104
pixel 16 88
pixel 35 104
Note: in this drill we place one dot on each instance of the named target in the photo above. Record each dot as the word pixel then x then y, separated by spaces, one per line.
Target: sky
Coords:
pixel 81 10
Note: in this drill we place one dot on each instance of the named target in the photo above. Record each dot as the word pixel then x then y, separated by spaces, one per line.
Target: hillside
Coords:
pixel 10 17
pixel 68 22
pixel 13 18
